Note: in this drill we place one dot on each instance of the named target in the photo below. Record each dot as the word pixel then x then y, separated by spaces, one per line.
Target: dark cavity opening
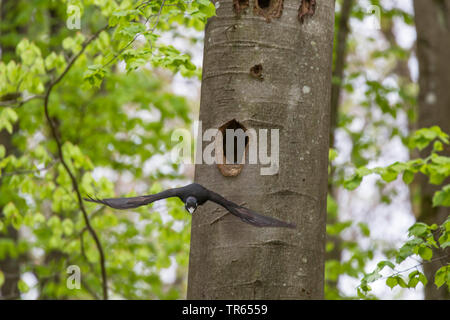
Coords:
pixel 263 4
pixel 238 135
pixel 256 71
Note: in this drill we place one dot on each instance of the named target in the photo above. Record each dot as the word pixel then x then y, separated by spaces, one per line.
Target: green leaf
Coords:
pixel 407 249
pixel 425 253
pixel 418 229
pixel 438 146
pixel 338 227
pixel 94 75
pixel 389 174
pixel 408 176
pixel 353 182
pixel 332 206
pixel 364 229
pixel 54 223
pixel 391 282
pixel 442 276
pixel 423 278
pixel 442 198
pixel 444 240
pixel 2 278
pixel 413 282
pixel 415 277
pixel 12 214
pixel 401 282
pixel 384 263
pixel 363 171
pixel 423 137
pixel 67 226
pixel 332 154
pixel 23 287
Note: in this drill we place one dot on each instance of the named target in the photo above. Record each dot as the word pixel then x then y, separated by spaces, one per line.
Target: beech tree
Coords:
pixel 87 107
pixel 433 50
pixel 266 65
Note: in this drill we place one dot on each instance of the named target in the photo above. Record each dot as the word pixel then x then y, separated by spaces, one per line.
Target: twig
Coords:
pixel 20 102
pixel 66 167
pixel 415 266
pixel 158 15
pixel 17 172
pixel 89 289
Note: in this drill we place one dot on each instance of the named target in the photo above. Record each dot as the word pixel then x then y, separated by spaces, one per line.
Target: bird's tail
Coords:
pixel 259 220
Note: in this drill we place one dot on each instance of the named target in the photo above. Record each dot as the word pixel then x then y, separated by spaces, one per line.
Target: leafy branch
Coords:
pixel 435 166
pixel 422 244
pixel 75 186
pixel 158 15
pixel 59 144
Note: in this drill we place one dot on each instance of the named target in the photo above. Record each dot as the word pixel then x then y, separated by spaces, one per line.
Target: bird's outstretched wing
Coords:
pixel 248 215
pixel 134 202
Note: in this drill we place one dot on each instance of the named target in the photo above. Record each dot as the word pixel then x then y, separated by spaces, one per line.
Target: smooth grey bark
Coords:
pixel 433 52
pixel 230 259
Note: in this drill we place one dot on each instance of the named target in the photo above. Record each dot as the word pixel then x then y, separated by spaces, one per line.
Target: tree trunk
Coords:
pixel 433 51
pixel 266 72
pixel 340 54
pixel 339 64
pixel 10 266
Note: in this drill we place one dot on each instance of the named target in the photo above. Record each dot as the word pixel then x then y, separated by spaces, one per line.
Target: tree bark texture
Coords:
pixel 291 92
pixel 433 52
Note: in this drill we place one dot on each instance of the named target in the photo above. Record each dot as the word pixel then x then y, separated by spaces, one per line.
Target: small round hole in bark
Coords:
pixel 256 71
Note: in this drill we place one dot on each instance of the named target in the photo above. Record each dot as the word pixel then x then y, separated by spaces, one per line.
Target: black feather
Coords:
pixel 201 194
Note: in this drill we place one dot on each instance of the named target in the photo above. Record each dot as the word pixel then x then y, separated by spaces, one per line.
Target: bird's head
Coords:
pixel 191 204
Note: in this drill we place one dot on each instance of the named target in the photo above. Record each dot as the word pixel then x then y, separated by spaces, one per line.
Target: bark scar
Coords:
pixel 240 5
pixel 307 9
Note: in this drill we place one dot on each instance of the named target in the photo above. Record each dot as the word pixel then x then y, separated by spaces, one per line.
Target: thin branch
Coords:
pixel 73 59
pixel 84 283
pixel 89 289
pixel 18 172
pixel 66 167
pixel 158 15
pixel 415 266
pixel 11 103
pixel 83 250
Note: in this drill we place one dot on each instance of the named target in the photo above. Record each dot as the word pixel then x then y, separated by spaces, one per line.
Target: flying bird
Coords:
pixel 194 195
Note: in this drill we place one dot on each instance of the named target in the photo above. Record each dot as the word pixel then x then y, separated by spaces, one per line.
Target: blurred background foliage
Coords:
pixel 110 91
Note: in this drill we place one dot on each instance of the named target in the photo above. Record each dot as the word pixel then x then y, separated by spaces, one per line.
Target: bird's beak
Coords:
pixel 191 210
